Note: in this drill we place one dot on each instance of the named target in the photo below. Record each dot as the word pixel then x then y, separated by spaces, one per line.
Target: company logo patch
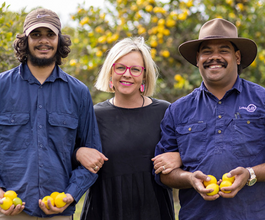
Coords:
pixel 41 16
pixel 249 108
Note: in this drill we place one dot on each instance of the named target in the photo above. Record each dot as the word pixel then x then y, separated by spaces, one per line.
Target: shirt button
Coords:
pixel 219 116
pixel 40 106
pixel 12 120
pixel 189 129
pixel 248 122
pixel 220 102
pixel 40 126
pixel 219 131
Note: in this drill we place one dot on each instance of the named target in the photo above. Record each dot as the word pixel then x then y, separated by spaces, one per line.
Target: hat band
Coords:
pixel 215 36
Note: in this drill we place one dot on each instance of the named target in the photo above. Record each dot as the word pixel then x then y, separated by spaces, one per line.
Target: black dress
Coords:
pixel 125 188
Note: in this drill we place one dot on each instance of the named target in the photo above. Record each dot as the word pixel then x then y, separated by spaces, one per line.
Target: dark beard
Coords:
pixel 41 62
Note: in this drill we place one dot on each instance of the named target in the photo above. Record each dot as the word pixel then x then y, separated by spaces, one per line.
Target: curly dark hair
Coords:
pixel 21 47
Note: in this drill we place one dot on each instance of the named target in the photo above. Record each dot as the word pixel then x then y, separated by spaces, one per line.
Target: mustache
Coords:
pixel 223 63
pixel 42 46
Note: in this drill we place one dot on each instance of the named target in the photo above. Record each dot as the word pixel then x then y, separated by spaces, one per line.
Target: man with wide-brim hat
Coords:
pixel 217 29
pixel 217 129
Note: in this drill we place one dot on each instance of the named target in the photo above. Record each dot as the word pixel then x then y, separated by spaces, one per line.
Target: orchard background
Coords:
pixel 163 24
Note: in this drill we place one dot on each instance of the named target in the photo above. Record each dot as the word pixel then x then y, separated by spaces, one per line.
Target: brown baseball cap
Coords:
pixel 217 29
pixel 42 18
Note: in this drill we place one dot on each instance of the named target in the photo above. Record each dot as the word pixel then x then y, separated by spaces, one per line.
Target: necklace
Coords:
pixel 141 106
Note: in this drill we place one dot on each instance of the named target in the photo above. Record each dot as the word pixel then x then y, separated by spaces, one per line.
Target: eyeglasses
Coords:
pixel 120 69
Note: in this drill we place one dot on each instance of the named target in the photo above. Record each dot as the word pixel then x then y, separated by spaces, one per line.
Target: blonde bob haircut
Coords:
pixel 119 50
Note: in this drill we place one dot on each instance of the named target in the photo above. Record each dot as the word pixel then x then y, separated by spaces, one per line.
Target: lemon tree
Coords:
pixel 164 24
pixel 10 25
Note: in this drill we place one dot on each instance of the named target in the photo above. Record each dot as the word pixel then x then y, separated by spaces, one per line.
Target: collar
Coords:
pixel 237 86
pixel 57 73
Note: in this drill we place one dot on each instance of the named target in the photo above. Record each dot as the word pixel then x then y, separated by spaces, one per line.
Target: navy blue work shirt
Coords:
pixel 216 136
pixel 40 126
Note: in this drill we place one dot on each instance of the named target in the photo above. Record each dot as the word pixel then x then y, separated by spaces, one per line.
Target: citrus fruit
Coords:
pixel 59 200
pixel 11 194
pixel 215 188
pixel 54 194
pixel 231 179
pixel 225 183
pixel 45 201
pixel 17 201
pixel 7 202
pixel 212 180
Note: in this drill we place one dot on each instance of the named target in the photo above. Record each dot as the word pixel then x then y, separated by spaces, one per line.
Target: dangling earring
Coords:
pixel 142 87
pixel 110 83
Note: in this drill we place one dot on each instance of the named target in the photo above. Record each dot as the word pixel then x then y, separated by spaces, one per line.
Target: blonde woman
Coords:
pixel 129 125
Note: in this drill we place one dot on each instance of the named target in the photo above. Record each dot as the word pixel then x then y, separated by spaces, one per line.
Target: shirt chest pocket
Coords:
pixel 248 136
pixel 62 131
pixel 14 131
pixel 191 143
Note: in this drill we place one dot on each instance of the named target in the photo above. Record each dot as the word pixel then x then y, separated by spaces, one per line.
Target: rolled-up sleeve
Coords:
pixel 87 136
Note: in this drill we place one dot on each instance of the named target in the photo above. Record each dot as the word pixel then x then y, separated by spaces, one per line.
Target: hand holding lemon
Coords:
pixel 212 180
pixel 226 182
pixel 56 200
pixel 212 184
pixel 10 198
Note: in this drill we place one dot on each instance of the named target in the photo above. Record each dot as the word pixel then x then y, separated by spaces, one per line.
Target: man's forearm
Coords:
pixel 260 172
pixel 177 178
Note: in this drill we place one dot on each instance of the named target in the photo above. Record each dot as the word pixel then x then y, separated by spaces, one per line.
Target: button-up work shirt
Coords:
pixel 40 126
pixel 216 136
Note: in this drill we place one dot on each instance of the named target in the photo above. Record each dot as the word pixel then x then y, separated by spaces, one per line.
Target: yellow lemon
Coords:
pixel 45 201
pixel 11 194
pixel 54 194
pixel 141 30
pixel 7 202
pixel 212 180
pixel 99 53
pixel 153 43
pixel 215 188
pixel 59 200
pixel 149 8
pixel 165 53
pixel 84 21
pixel 225 183
pixel 231 179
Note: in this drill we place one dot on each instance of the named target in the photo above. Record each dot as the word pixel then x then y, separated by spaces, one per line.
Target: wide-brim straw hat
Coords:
pixel 217 29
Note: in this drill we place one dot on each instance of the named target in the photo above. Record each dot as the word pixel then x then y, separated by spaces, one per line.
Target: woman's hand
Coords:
pixel 167 162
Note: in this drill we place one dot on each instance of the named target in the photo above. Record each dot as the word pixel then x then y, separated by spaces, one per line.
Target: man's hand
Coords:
pixel 90 158
pixel 241 175
pixel 166 162
pixel 196 180
pixel 53 209
pixel 13 210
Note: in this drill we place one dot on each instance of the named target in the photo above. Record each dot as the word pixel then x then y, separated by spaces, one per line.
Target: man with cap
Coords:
pixel 217 129
pixel 44 115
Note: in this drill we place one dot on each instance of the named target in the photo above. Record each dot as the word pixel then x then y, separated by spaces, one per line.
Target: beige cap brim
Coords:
pixel 54 29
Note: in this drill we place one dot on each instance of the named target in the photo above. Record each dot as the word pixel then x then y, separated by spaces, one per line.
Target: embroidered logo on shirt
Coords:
pixel 250 108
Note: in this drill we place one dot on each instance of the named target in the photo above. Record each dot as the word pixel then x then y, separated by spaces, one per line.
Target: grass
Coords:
pixel 78 208
pixel 81 201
